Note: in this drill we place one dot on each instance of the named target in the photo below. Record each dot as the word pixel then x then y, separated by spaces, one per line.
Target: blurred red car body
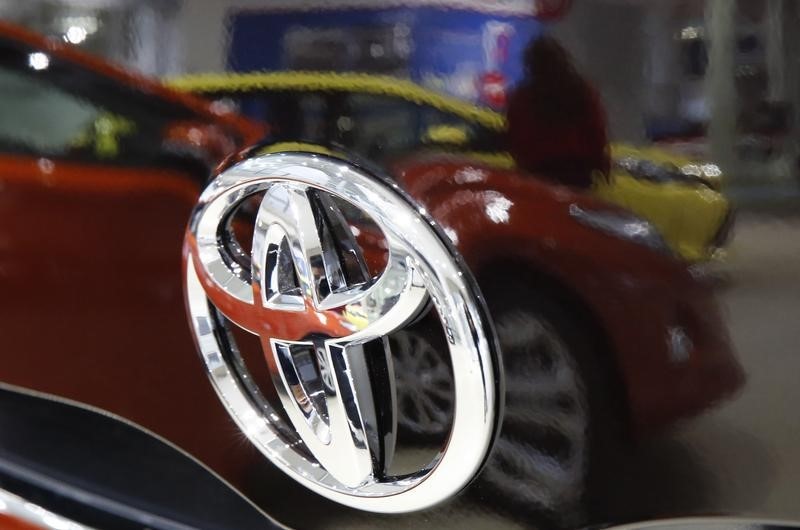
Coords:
pixel 631 294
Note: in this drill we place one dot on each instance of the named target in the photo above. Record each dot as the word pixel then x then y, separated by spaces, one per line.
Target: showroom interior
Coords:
pixel 700 104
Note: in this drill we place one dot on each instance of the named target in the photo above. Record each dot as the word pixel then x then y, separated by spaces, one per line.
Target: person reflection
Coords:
pixel 556 122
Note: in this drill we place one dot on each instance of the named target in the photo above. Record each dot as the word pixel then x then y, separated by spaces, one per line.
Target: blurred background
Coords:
pixel 659 76
pixel 716 81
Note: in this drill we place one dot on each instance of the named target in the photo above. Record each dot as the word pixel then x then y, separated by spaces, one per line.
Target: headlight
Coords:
pixel 647 170
pixel 622 225
pixel 708 175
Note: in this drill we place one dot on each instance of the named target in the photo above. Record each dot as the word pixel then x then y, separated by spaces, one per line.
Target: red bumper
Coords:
pixel 675 356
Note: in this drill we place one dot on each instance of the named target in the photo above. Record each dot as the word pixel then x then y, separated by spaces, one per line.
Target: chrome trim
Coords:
pixel 333 444
pixel 32 514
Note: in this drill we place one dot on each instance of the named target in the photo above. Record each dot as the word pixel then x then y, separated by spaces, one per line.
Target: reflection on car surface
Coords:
pixel 383 118
pixel 606 332
pixel 581 339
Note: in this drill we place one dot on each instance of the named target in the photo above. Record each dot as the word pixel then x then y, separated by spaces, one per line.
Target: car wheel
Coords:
pixel 540 458
pixel 560 428
pixel 424 383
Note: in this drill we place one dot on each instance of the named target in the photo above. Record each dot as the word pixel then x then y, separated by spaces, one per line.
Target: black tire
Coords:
pixel 424 383
pixel 563 419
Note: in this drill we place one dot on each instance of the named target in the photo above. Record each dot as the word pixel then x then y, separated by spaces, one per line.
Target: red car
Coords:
pixel 602 330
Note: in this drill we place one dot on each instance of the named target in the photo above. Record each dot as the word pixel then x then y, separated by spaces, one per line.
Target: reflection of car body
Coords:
pixel 92 308
pixel 661 164
pixel 610 270
pixel 498 216
pixel 678 195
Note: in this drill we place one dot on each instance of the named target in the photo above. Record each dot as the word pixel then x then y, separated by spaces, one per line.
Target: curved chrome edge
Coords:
pixel 28 513
pixel 473 345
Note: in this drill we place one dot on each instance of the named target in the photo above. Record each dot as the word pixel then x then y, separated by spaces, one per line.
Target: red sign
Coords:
pixel 492 88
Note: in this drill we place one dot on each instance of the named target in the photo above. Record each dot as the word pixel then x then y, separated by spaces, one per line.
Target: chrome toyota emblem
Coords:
pixel 304 286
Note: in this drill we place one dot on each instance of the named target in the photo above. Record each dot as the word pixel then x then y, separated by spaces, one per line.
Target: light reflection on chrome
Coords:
pixel 31 515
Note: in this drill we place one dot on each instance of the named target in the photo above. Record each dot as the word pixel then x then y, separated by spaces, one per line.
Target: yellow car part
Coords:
pixel 282 147
pixel 688 217
pixel 310 81
pixel 709 173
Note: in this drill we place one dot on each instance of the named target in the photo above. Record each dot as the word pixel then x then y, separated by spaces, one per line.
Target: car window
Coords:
pixel 53 108
pixel 41 117
pixel 379 126
pixel 373 125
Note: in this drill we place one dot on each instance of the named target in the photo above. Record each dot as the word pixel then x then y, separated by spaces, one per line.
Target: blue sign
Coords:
pixel 472 55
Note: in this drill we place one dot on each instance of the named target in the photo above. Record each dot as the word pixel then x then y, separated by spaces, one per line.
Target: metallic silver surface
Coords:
pixel 336 445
